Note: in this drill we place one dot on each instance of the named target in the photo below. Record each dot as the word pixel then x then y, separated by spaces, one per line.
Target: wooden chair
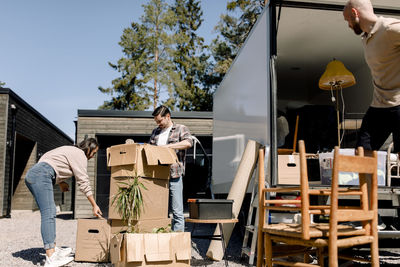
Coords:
pixel 316 237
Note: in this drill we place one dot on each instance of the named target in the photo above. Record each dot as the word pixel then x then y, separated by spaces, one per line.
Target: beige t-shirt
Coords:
pixel 382 53
pixel 68 161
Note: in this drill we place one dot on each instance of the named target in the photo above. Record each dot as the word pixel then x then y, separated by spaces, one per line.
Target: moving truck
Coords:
pixel 277 71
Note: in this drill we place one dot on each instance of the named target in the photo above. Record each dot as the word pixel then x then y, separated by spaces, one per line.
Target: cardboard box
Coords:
pixel 142 160
pixel 155 198
pixel 93 240
pixel 164 249
pixel 141 226
pixel 349 178
pixel 289 169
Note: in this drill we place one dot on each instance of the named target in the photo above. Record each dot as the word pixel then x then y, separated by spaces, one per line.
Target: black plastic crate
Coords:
pixel 210 208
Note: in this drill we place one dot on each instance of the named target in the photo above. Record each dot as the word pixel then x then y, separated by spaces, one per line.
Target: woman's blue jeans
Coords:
pixel 39 180
pixel 176 204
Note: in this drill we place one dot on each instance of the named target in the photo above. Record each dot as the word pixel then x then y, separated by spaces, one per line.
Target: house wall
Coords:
pixel 3 145
pixel 33 129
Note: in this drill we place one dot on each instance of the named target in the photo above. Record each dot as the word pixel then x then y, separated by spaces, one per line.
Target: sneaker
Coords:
pixel 57 260
pixel 63 251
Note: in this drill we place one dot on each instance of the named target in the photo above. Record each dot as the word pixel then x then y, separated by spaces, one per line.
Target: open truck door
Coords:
pixel 278 69
pixel 243 104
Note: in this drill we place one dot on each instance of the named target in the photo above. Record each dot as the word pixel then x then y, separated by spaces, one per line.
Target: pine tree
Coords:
pixel 190 59
pixel 159 20
pixel 147 69
pixel 131 87
pixel 233 32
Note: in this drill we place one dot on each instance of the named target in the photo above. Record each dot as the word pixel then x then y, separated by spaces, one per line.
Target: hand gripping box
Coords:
pixel 162 249
pixel 152 165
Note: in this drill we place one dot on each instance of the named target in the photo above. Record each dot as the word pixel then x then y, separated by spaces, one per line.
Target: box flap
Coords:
pixel 134 247
pixel 159 155
pixel 121 155
pixel 115 248
pixel 182 245
pixel 157 247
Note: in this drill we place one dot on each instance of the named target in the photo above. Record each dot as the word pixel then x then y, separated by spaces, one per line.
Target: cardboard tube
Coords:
pixel 237 193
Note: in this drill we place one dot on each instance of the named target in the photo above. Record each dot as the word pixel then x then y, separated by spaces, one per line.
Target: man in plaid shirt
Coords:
pixel 178 137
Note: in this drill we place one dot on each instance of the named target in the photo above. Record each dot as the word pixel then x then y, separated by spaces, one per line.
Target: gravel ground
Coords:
pixel 21 243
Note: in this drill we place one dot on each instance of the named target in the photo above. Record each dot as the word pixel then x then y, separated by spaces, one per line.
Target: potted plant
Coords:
pixel 129 201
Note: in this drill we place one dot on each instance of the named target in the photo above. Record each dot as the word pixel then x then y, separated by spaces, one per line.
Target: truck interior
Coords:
pixel 308 38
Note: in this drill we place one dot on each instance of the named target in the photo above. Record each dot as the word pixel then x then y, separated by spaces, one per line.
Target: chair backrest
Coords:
pixel 368 187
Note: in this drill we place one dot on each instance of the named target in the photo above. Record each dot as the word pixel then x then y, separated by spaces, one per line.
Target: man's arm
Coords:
pixel 180 145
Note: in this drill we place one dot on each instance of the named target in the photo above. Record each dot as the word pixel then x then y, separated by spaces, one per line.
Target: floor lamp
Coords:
pixel 335 78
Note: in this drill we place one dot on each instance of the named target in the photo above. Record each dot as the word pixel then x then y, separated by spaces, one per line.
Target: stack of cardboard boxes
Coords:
pixel 152 165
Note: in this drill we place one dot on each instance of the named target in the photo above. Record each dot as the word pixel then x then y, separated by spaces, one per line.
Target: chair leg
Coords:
pixel 268 250
pixel 320 256
pixel 333 252
pixel 374 253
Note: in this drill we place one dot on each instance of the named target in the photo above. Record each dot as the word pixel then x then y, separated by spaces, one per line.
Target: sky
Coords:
pixel 54 54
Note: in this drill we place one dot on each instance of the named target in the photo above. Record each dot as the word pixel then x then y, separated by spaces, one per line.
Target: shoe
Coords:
pixel 63 251
pixel 57 260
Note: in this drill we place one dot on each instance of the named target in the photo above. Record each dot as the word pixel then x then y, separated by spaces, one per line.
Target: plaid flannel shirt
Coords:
pixel 178 133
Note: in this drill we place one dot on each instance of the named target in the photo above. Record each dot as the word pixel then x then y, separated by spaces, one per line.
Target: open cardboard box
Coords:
pixel 152 165
pixel 94 236
pixel 140 226
pixel 142 160
pixel 162 249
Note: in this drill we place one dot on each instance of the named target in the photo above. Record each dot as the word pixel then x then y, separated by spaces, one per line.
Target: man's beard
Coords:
pixel 356 28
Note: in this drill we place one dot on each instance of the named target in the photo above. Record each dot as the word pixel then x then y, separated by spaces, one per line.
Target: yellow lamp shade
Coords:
pixel 336 76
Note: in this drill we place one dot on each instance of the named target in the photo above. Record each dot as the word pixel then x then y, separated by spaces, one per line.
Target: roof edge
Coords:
pixel 142 114
pixel 21 101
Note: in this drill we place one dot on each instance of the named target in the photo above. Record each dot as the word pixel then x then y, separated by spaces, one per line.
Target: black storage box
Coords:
pixel 210 208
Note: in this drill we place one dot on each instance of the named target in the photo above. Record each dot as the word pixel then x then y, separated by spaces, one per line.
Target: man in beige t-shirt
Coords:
pixel 381 41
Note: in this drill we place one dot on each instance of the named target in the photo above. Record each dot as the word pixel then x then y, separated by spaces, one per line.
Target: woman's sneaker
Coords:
pixel 66 251
pixel 57 260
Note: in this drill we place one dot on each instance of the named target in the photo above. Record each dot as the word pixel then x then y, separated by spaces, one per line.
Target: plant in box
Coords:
pixel 129 200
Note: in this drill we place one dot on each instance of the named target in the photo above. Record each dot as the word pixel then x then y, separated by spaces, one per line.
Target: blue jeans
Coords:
pixel 176 204
pixel 39 180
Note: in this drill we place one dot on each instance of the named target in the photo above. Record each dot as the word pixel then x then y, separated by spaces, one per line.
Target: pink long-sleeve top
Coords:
pixel 68 161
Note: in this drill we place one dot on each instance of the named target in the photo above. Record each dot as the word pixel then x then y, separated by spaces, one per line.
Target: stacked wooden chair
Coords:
pixel 323 239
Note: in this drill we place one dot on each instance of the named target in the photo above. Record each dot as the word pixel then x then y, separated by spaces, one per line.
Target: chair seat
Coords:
pixel 316 230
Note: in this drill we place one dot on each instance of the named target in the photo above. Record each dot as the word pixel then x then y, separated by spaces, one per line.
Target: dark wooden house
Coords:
pixel 25 135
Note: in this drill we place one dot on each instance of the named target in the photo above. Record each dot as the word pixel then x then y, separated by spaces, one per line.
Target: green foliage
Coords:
pixel 129 200
pixel 191 61
pixel 162 229
pixel 164 61
pixel 233 32
pixel 2 84
pixel 131 88
pixel 146 68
